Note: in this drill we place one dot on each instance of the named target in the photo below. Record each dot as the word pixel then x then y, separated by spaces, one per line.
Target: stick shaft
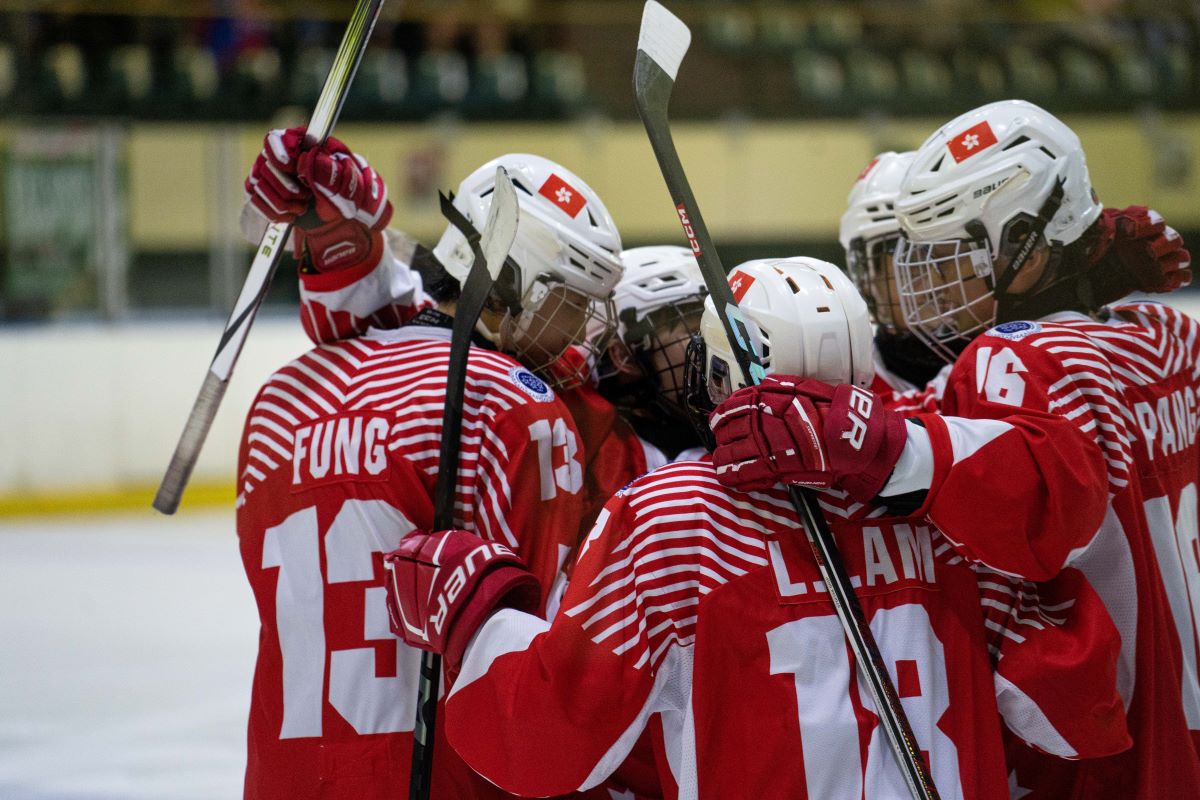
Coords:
pixel 262 269
pixel 490 249
pixel 653 88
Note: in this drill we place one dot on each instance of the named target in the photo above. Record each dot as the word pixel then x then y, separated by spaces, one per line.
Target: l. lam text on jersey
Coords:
pixel 345 447
pixel 888 555
pixel 1171 421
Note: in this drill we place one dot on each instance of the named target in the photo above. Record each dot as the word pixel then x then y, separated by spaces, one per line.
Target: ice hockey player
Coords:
pixel 658 301
pixel 1001 226
pixel 1144 254
pixel 339 455
pixel 339 302
pixel 626 402
pixel 698 613
pixel 869 233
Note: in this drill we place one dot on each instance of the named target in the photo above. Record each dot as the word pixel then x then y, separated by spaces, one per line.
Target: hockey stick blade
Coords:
pixel 489 250
pixel 662 44
pixel 262 269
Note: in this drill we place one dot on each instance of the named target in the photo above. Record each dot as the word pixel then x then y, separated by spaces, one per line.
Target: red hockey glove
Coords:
pixel 349 198
pixel 272 185
pixel 1150 254
pixel 798 430
pixel 444 585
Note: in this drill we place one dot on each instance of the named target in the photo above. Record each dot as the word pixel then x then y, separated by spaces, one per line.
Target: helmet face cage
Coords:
pixel 551 318
pixel 659 343
pixel 945 291
pixel 868 262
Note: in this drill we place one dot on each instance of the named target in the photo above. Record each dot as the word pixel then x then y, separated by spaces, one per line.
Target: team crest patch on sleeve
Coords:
pixel 1015 331
pixel 531 384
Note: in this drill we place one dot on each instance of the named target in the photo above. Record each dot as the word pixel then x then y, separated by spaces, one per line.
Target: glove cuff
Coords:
pixel 866 485
pixel 343 245
pixel 506 585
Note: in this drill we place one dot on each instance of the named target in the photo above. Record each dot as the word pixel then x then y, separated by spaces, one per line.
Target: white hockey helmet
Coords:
pixel 564 233
pixel 655 277
pixel 805 317
pixel 658 302
pixel 869 232
pixel 562 268
pixel 982 193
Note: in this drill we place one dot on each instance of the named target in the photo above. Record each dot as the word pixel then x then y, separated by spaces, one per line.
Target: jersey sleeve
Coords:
pixel 345 303
pixel 613 454
pixel 913 401
pixel 1054 650
pixel 548 708
pixel 1027 448
pixel 527 484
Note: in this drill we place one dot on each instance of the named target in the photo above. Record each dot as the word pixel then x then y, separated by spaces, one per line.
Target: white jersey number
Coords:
pixel 998 377
pixel 568 475
pixel 814 651
pixel 368 703
pixel 1178 551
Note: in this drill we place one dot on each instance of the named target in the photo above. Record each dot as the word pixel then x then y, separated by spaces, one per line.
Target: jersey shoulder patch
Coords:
pixel 1014 331
pixel 530 384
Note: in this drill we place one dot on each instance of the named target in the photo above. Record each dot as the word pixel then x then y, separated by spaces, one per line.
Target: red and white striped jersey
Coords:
pixel 698 613
pixel 1073 424
pixel 345 303
pixel 614 454
pixel 338 462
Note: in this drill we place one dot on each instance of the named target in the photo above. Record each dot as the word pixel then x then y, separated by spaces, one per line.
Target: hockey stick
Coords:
pixel 262 269
pixel 662 44
pixel 490 250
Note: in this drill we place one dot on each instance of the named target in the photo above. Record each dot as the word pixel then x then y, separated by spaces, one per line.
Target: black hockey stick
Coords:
pixel 262 269
pixel 662 43
pixel 490 250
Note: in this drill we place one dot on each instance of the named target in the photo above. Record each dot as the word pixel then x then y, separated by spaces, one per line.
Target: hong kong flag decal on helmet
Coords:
pixel 740 283
pixel 563 195
pixel 971 141
pixel 867 169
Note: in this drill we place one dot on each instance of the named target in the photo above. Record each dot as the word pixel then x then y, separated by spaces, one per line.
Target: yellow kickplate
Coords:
pixel 128 498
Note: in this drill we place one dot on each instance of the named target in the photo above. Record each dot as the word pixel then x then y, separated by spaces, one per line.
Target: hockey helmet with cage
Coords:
pixel 658 302
pixel 869 232
pixel 982 195
pixel 655 277
pixel 565 256
pixel 803 316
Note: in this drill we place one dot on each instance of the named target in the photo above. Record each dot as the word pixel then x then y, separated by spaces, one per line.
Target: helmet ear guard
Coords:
pixel 697 402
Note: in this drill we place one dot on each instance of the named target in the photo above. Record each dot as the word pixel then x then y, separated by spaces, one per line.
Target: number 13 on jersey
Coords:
pixel 368 703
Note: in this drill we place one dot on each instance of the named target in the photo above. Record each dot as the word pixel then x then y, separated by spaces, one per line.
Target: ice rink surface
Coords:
pixel 127 648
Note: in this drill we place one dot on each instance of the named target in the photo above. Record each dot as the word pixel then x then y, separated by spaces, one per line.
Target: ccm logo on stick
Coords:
pixel 688 230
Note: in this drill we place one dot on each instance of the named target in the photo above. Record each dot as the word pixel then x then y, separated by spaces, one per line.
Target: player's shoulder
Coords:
pixel 691 491
pixel 1047 344
pixel 1152 315
pixel 508 380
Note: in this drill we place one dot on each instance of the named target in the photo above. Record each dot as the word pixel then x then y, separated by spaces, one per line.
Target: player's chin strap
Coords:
pixel 1029 245
pixel 1066 284
pixel 505 287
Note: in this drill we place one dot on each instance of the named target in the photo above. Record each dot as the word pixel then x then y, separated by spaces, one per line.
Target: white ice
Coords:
pixel 127 648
